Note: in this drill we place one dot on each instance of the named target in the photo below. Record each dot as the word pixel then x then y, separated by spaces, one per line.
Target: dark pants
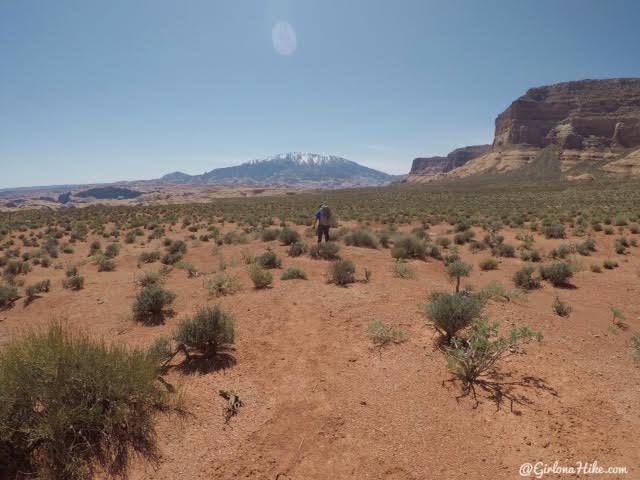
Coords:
pixel 323 230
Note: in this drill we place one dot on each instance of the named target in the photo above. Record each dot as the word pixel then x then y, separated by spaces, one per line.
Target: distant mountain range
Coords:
pixel 290 169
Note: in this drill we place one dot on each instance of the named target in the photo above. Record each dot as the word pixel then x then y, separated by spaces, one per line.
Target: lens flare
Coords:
pixel 284 38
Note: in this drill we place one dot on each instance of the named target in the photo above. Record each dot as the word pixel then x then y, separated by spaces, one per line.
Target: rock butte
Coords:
pixel 588 124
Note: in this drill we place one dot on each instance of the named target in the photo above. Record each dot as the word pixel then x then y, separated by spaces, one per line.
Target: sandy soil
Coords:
pixel 321 402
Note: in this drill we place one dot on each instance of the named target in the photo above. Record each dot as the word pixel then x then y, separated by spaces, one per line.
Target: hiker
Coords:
pixel 323 220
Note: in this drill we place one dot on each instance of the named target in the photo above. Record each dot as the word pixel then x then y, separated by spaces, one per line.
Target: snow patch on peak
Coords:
pixel 305 159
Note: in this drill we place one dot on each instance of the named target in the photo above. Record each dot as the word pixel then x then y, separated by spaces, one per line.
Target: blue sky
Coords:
pixel 96 91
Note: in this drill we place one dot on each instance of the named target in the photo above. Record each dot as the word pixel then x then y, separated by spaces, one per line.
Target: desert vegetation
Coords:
pixel 233 295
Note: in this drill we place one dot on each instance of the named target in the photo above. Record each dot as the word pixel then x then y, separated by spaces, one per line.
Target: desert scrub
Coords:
pixel 72 407
pixel 635 345
pixel 223 284
pixel 489 264
pixel 383 334
pixel 560 308
pixel 524 279
pixel 269 259
pixel 555 230
pixel 112 250
pixel 450 313
pixel 557 274
pixel 610 264
pixel 191 269
pixel 324 251
pixel 149 257
pixel 474 356
pixel 293 273
pixel 288 236
pixel 494 290
pixel 402 269
pixel 150 304
pixel 361 237
pixel 341 272
pixel 209 331
pixel 408 246
pixel 260 277
pixel 8 295
pixel 458 269
pixel 39 287
pixel 269 234
pixel 296 249
pixel 149 278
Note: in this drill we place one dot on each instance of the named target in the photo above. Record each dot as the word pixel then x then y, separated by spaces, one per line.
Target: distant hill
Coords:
pixel 290 169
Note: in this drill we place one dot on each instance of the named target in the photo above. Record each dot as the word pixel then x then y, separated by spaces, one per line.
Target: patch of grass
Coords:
pixel 489 264
pixel 223 284
pixel 383 334
pixel 402 269
pixel 293 273
pixel 361 237
pixel 562 309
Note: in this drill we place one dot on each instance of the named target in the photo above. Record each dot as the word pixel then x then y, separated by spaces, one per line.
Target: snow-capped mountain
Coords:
pixel 290 169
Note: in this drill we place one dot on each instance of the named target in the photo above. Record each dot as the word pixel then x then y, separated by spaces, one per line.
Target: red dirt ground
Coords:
pixel 322 403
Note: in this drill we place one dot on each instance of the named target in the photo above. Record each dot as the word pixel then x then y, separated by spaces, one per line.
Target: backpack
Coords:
pixel 325 216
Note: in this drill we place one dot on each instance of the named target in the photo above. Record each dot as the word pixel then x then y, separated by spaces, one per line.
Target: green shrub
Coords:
pixel 112 250
pixel 450 313
pixel 555 230
pixel 504 250
pixel 610 264
pixel 105 264
pixel 16 267
pixel 342 272
pixel 150 304
pixel 403 270
pixel 476 355
pixel 408 246
pixel 269 234
pixel 95 248
pixel 74 282
pixel 223 284
pixel 191 269
pixel 150 278
pixel 361 237
pixel 489 264
pixel 296 249
pixel 530 256
pixel 596 268
pixel 324 251
pixel 209 331
pixel 149 257
pixel 8 295
pixel 269 259
pixel 261 278
pixel 561 251
pixel 556 273
pixel 288 236
pixel 71 407
pixel 563 309
pixel 171 258
pixel 39 287
pixel 383 334
pixel 176 247
pixel 292 273
pixel 458 269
